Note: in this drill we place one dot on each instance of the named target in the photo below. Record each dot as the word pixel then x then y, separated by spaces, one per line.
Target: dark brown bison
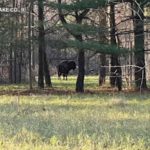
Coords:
pixel 64 67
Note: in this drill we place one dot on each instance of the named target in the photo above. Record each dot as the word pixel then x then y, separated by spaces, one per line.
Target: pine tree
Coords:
pixel 79 29
pixel 41 42
pixel 139 54
pixel 43 64
pixel 114 80
pixel 79 16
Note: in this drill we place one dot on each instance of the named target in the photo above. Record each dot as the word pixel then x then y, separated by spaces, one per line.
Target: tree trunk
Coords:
pixel 140 75
pixel 102 69
pixel 41 46
pixel 21 49
pixel 114 62
pixel 20 67
pixel 81 72
pixel 11 54
pixel 15 66
pixel 32 42
pixel 29 44
pixel 46 72
pixel 114 58
pixel 10 65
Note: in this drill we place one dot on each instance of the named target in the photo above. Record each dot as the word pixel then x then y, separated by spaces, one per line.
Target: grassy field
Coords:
pixel 111 121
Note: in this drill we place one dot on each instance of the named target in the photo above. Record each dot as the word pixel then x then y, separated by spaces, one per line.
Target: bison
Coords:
pixel 64 67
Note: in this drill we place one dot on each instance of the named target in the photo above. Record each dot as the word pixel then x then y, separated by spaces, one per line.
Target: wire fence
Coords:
pixel 127 74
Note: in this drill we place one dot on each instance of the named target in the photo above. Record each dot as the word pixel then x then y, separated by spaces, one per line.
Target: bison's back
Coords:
pixel 64 67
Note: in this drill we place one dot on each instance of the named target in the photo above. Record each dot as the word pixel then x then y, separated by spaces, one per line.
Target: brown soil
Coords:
pixel 55 91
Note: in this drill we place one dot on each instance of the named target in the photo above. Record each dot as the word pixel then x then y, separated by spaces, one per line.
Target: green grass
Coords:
pixel 75 121
pixel 91 82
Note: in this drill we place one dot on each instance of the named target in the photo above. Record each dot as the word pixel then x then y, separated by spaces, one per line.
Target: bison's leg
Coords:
pixel 63 76
pixel 100 81
pixel 59 75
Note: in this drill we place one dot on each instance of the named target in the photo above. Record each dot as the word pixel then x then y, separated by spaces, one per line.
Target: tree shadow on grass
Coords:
pixel 62 120
pixel 110 93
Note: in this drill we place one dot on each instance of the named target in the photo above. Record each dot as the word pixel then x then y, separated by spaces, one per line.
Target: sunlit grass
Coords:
pixel 13 87
pixel 90 83
pixel 74 122
pixel 111 121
